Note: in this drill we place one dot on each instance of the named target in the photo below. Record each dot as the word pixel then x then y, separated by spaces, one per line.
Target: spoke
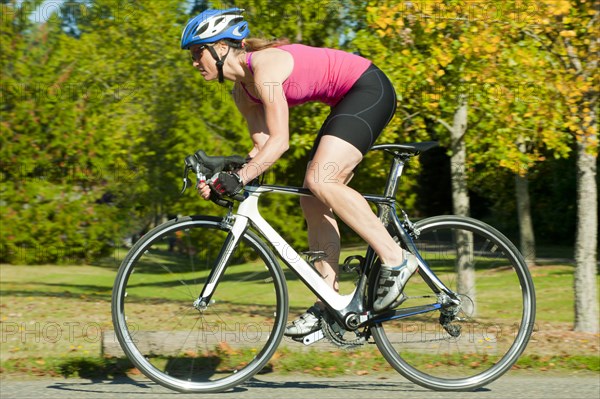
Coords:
pixel 178 344
pixel 151 259
pixel 191 257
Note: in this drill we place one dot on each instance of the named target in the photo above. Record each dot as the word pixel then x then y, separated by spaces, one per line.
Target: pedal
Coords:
pixel 310 338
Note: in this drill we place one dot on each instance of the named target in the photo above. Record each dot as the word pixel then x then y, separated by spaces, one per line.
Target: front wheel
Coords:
pixel 193 348
pixel 495 318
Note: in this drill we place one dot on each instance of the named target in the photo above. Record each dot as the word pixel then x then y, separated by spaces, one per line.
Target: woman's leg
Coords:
pixel 326 177
pixel 348 132
pixel 323 235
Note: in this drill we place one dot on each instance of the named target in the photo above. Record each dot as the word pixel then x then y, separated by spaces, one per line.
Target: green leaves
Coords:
pixel 457 50
pixel 96 119
pixel 94 128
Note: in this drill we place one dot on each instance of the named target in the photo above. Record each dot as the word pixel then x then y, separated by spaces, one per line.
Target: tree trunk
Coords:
pixel 586 240
pixel 525 222
pixel 586 245
pixel 460 205
pixel 460 193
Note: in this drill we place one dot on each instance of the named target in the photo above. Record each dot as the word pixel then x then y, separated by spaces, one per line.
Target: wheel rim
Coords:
pixel 494 331
pixel 180 346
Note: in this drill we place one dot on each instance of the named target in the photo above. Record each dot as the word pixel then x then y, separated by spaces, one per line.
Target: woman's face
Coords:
pixel 203 61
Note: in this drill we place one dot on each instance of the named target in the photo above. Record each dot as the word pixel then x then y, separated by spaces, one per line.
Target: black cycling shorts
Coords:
pixel 359 118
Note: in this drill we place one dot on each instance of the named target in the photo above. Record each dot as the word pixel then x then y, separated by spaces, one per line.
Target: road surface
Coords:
pixel 303 387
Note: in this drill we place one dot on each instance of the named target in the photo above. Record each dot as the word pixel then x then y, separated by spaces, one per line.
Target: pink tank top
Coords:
pixel 319 74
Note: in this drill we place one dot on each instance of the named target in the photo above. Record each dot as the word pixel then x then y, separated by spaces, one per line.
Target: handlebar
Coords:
pixel 204 165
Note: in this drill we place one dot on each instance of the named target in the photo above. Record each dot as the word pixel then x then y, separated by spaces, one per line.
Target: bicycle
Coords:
pixel 182 312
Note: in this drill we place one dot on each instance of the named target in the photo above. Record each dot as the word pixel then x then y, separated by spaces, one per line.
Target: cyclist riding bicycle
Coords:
pixel 272 76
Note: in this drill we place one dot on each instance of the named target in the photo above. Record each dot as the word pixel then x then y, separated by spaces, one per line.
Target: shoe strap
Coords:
pixel 402 265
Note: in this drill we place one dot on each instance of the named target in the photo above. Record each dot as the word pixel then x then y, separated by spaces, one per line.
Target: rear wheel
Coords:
pixel 496 315
pixel 198 350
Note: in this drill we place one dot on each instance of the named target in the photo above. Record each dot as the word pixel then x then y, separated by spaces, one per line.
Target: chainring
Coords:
pixel 335 334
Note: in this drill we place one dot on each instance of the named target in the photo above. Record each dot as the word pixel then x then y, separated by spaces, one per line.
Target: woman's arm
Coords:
pixel 268 122
pixel 254 115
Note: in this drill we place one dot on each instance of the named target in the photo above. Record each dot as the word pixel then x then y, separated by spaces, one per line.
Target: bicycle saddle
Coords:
pixel 410 148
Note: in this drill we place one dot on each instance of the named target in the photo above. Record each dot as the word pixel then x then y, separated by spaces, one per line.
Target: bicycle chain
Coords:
pixel 334 333
pixel 447 338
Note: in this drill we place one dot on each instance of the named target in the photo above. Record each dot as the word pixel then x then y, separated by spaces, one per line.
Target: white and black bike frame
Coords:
pixel 351 310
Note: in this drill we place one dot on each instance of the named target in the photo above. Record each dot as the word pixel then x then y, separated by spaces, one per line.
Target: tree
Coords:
pixel 567 32
pixel 446 72
pixel 55 191
pixel 121 108
pixel 432 64
pixel 93 141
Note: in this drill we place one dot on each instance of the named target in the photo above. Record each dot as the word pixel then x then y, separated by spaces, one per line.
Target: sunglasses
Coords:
pixel 196 52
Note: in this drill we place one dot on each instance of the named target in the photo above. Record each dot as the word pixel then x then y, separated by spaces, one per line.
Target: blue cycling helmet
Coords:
pixel 211 26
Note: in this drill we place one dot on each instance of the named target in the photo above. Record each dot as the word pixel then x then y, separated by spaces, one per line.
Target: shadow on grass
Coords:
pixel 95 368
pixel 85 292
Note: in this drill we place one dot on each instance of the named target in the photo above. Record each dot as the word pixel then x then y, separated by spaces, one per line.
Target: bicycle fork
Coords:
pixel 228 248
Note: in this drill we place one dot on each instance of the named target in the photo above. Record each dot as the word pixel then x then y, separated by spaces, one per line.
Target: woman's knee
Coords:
pixel 319 180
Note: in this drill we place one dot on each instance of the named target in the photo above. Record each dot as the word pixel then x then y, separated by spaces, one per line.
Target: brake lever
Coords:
pixel 193 163
pixel 186 180
pixel 201 177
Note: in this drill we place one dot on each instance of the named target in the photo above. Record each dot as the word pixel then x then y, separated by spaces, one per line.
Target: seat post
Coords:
pixel 402 153
pixel 391 185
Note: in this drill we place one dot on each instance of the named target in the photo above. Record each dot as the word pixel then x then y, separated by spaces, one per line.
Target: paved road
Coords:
pixel 302 387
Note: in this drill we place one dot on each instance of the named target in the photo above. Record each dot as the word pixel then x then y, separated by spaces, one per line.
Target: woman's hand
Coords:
pixel 203 190
pixel 226 183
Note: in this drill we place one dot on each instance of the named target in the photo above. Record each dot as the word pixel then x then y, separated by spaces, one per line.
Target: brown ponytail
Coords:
pixel 256 44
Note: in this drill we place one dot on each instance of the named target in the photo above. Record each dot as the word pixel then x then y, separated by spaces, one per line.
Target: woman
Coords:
pixel 269 78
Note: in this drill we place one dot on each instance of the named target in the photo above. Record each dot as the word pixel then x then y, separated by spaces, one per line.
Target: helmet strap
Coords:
pixel 220 61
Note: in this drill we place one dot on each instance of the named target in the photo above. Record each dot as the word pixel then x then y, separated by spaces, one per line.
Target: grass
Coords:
pixel 52 319
pixel 285 361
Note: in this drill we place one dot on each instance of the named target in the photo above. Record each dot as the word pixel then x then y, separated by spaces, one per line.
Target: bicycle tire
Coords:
pixel 179 346
pixel 494 329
